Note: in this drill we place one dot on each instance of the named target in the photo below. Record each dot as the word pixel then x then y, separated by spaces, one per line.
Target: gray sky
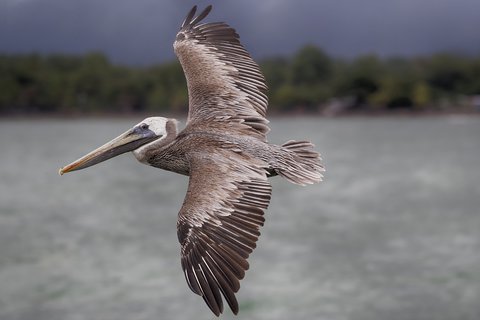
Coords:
pixel 142 31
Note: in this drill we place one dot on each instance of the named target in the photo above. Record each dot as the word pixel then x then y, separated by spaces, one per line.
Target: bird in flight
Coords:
pixel 224 150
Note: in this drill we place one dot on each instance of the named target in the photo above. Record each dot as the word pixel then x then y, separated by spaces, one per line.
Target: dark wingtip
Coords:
pixel 234 309
pixel 202 15
pixel 189 16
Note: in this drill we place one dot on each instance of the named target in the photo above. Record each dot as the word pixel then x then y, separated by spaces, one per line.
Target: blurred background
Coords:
pixel 78 57
pixel 389 91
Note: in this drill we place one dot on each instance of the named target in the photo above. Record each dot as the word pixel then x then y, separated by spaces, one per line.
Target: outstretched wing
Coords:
pixel 224 83
pixel 219 224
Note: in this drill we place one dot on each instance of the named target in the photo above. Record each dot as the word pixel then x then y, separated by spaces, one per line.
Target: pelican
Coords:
pixel 224 150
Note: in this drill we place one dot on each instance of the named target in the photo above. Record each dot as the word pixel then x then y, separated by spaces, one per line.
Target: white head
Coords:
pixel 158 125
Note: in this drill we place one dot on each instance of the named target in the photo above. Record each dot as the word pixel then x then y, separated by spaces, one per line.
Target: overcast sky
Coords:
pixel 142 31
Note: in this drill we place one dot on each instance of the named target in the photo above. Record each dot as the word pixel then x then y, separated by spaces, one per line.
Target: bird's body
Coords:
pixel 224 151
pixel 175 156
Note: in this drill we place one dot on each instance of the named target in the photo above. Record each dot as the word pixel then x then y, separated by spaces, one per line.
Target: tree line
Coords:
pixel 310 81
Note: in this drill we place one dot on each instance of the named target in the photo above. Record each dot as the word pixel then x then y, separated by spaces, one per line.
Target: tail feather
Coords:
pixel 300 163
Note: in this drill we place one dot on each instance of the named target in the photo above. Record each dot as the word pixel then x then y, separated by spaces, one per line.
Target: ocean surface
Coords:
pixel 392 233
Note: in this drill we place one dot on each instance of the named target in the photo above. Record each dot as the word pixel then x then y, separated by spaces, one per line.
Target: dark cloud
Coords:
pixel 142 31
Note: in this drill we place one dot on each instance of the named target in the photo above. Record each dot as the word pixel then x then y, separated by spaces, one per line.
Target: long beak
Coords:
pixel 128 141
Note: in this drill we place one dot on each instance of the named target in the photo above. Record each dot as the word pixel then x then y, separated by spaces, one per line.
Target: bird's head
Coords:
pixel 148 131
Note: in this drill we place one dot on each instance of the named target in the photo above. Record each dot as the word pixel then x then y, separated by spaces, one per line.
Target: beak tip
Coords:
pixel 60 171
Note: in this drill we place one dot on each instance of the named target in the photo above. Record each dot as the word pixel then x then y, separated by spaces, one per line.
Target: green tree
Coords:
pixel 421 95
pixel 360 79
pixel 310 66
pixel 448 73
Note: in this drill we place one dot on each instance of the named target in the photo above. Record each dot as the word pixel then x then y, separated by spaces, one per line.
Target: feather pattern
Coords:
pixel 219 224
pixel 224 83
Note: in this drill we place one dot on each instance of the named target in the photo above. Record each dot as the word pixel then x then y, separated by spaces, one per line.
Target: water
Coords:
pixel 392 232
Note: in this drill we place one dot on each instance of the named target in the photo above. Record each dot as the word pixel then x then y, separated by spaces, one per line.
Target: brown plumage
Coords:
pixel 224 150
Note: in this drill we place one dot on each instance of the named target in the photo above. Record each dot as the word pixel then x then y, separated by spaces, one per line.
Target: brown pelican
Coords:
pixel 224 151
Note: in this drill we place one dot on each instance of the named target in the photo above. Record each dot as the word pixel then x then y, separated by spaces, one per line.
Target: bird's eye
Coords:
pixel 144 126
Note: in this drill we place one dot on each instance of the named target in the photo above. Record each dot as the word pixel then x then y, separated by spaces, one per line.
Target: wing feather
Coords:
pixel 219 223
pixel 224 83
